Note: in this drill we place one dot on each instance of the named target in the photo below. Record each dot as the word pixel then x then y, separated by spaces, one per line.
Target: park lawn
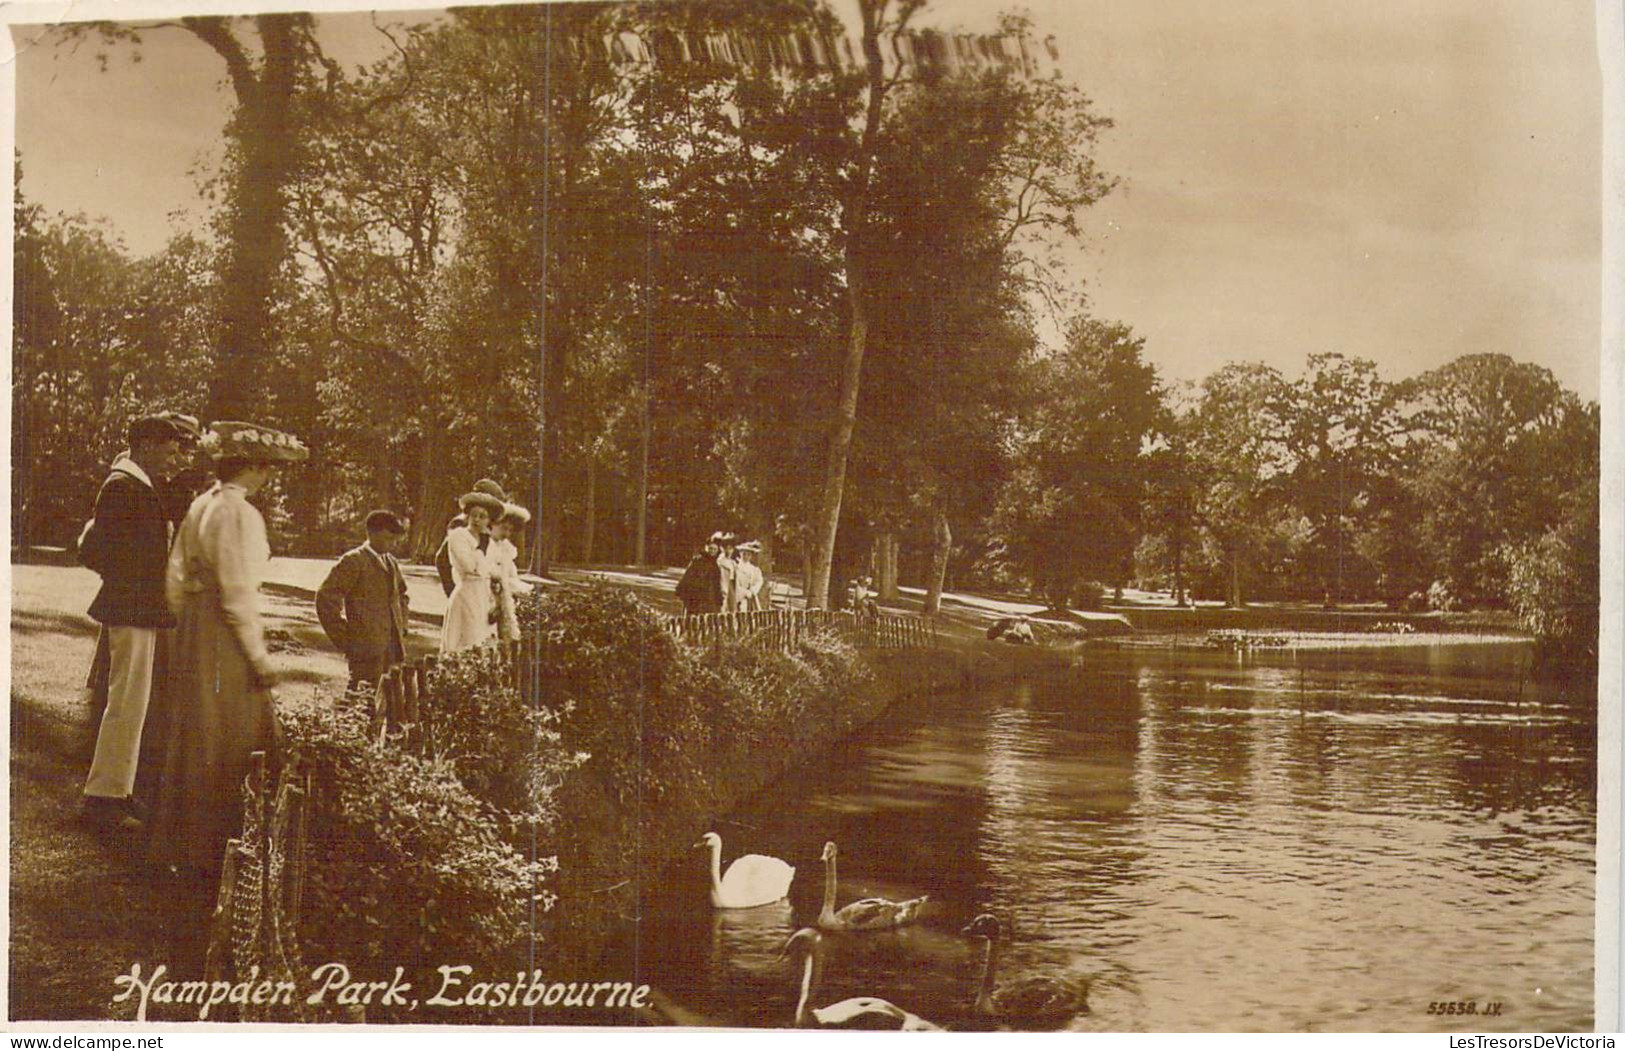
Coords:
pixel 80 909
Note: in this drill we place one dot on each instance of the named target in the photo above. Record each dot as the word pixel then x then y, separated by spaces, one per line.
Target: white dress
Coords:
pixel 468 615
pixel 505 571
pixel 747 587
pixel 729 568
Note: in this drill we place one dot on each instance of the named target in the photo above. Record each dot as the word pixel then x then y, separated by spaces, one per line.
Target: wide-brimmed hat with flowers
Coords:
pixel 235 440
pixel 479 499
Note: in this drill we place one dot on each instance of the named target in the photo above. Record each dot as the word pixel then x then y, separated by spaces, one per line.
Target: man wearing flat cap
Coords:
pixel 127 544
pixel 362 604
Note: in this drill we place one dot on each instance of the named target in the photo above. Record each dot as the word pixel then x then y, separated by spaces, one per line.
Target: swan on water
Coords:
pixel 867 914
pixel 858 1012
pixel 1033 1001
pixel 752 879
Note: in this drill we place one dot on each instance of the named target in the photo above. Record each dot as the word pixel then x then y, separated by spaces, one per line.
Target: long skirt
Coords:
pixel 468 615
pixel 214 721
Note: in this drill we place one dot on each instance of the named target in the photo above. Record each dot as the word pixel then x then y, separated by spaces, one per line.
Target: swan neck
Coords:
pixel 828 912
pixel 806 990
pixel 984 994
pixel 716 866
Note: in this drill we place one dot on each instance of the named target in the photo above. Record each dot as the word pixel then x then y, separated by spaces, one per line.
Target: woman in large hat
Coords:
pixel 220 676
pixel 468 615
pixel 505 569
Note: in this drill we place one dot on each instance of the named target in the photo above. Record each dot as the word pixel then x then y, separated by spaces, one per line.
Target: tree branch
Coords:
pixel 213 32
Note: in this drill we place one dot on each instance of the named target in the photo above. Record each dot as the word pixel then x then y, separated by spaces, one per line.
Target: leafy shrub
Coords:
pixel 636 703
pixel 405 863
pixel 1442 597
pixel 1554 586
pixel 1089 596
pixel 506 752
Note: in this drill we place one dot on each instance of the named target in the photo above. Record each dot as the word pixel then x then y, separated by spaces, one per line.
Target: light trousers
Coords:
pixel 129 688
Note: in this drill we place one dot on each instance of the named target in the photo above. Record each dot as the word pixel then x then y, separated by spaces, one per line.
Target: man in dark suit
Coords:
pixel 362 603
pixel 130 540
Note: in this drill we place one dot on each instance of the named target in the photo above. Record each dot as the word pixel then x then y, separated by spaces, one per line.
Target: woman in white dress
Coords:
pixel 505 570
pixel 748 579
pixel 468 614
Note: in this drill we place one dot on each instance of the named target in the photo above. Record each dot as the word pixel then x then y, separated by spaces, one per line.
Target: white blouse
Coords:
pixel 223 536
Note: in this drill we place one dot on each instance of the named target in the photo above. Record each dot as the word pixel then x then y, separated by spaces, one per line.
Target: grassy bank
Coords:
pixel 85 906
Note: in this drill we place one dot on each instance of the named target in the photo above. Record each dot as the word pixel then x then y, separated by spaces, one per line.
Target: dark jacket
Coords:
pixel 701 587
pixel 362 606
pixel 134 535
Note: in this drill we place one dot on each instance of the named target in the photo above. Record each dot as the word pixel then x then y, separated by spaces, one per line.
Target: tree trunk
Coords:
pixel 888 566
pixel 590 515
pixel 854 216
pixel 1179 568
pixel 942 543
pixel 256 243
pixel 437 495
pixel 640 555
pixel 1235 579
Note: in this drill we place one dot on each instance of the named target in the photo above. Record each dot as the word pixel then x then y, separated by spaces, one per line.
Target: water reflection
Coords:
pixel 1312 841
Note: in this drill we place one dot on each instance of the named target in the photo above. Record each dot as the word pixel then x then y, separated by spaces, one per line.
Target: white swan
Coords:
pixel 867 914
pixel 858 1012
pixel 1035 1001
pixel 752 879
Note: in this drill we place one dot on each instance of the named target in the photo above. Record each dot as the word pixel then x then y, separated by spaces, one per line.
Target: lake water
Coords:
pixel 1320 841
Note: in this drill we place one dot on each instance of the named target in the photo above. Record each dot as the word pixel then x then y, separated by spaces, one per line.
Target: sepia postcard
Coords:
pixel 1079 515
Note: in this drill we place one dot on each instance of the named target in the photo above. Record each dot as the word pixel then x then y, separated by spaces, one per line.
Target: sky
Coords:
pixel 1401 180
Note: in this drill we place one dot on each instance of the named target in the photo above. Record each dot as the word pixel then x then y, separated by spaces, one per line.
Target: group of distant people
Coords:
pixel 723 577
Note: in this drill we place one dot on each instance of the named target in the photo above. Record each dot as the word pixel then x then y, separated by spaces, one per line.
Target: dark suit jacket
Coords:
pixel 134 526
pixel 362 606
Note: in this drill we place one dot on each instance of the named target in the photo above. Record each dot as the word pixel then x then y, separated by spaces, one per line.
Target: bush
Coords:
pixel 405 863
pixel 1090 596
pixel 507 753
pixel 637 702
pixel 1442 597
pixel 1553 584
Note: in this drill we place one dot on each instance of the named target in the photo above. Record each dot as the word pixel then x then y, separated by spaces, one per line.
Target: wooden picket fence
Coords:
pixel 401 703
pixel 262 883
pixel 783 629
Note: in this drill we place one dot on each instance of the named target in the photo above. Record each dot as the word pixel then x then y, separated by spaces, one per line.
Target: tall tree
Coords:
pixel 1239 457
pixel 272 69
pixel 1340 425
pixel 1072 509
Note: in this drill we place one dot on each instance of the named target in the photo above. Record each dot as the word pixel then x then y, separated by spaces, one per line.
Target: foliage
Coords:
pixel 1554 585
pixel 407 864
pixel 642 720
pixel 1070 512
pixel 508 754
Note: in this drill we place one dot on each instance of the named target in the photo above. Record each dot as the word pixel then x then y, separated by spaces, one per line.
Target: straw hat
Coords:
pixel 479 499
pixel 490 488
pixel 233 439
pixel 516 513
